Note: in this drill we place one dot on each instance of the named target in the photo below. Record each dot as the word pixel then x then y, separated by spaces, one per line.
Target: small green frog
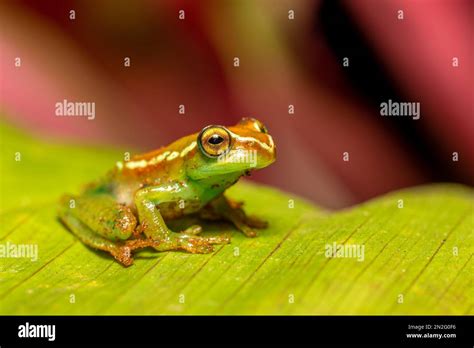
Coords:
pixel 127 209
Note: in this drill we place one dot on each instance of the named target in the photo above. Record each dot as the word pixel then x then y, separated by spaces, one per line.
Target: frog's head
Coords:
pixel 232 151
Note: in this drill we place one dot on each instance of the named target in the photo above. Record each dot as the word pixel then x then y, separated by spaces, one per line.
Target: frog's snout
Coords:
pixel 267 153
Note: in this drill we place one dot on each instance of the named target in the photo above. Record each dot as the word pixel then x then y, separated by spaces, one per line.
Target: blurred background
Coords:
pixel 291 56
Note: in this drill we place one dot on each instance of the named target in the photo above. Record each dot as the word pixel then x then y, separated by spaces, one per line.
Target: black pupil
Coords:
pixel 215 139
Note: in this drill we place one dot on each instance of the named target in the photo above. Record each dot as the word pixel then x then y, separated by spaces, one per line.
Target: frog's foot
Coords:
pixel 191 243
pixel 226 209
pixel 123 253
pixel 193 230
pixel 255 222
pixel 244 223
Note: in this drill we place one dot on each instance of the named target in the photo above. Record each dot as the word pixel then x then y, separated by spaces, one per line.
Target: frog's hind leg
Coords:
pixel 223 208
pixel 92 239
pixel 102 224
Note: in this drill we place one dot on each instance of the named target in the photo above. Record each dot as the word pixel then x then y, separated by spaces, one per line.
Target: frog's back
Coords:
pixel 149 169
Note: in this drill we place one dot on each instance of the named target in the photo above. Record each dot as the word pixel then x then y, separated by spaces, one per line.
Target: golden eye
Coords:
pixel 214 141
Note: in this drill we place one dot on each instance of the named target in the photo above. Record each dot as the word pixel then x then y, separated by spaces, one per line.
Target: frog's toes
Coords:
pixel 247 230
pixel 191 243
pixel 196 248
pixel 255 222
pixel 218 240
pixel 200 245
pixel 193 230
pixel 123 255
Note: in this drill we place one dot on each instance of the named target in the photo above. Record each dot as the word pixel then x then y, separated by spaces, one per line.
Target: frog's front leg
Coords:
pixel 148 200
pixel 227 209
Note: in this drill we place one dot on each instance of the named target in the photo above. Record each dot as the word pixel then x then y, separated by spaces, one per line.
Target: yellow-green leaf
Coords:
pixel 417 243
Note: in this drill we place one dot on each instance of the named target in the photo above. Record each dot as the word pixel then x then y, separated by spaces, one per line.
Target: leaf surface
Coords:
pixel 417 259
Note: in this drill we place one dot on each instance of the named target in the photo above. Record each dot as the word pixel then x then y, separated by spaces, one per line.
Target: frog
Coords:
pixel 131 206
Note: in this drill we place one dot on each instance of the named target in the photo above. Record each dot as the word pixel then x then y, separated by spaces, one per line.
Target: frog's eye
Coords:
pixel 214 141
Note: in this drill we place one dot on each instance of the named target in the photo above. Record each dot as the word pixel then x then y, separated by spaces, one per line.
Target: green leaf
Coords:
pixel 421 253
